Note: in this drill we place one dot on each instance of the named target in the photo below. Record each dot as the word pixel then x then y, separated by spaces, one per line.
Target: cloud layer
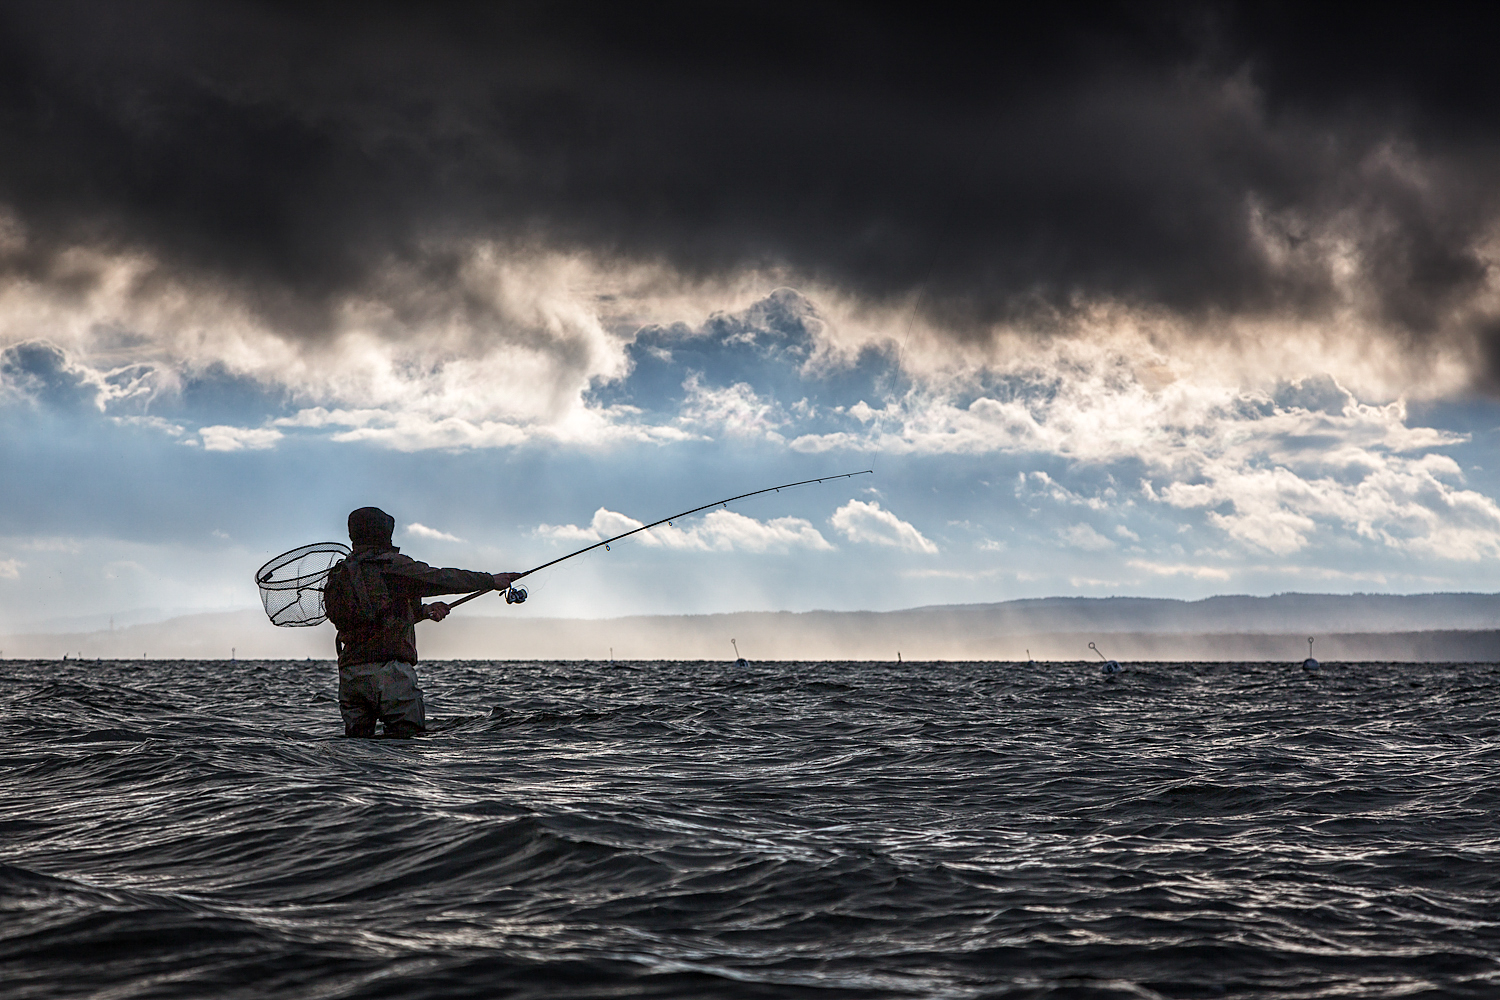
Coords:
pixel 483 195
pixel 1271 466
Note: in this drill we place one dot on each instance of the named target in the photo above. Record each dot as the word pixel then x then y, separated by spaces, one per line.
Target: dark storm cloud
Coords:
pixel 1000 167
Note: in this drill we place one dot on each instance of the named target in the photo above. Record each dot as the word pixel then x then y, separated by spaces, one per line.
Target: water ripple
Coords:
pixel 687 829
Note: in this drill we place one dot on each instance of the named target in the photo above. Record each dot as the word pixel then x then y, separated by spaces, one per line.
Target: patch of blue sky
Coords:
pixel 773 348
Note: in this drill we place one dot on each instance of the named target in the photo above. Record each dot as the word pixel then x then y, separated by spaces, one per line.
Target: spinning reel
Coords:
pixel 516 595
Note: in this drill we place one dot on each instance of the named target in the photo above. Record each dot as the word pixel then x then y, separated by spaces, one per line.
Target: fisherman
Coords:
pixel 375 598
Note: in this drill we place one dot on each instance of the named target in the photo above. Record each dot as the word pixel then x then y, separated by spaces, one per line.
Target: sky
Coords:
pixel 1151 299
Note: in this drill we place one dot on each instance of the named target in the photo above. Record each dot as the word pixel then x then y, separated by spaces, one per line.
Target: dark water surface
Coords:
pixel 201 829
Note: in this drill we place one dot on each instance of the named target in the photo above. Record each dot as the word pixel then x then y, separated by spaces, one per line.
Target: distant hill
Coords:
pixel 1420 627
pixel 1235 613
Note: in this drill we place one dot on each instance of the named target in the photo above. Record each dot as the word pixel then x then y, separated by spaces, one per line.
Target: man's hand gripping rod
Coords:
pixel 517 595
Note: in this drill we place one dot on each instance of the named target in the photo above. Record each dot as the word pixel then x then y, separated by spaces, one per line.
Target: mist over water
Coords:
pixel 582 829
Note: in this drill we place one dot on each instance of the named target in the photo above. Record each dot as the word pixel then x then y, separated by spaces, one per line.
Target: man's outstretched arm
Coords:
pixel 438 610
pixel 431 581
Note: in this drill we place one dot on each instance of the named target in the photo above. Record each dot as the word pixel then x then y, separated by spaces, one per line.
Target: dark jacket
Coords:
pixel 408 582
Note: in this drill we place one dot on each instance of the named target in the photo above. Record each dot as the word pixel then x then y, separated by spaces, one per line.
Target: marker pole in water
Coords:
pixel 645 527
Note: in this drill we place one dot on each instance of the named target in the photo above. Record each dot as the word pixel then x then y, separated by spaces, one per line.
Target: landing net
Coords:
pixel 291 585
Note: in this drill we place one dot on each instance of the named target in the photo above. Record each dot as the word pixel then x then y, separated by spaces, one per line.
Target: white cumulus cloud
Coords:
pixel 868 522
pixel 1278 468
pixel 719 531
pixel 222 437
pixel 566 533
pixel 418 530
pixel 731 530
pixel 1196 571
pixel 1083 536
pixel 735 410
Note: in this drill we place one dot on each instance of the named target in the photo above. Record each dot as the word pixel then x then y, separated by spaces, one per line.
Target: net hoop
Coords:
pixel 291 585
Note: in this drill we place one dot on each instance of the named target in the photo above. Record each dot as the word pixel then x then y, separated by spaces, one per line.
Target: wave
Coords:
pixel 954 830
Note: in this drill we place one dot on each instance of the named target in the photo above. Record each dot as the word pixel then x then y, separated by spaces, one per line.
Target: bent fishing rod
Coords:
pixel 513 595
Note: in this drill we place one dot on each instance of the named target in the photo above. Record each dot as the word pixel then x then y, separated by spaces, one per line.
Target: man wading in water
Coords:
pixel 375 598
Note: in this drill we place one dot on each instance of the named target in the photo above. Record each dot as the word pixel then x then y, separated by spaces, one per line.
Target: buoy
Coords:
pixel 1110 666
pixel 1309 663
pixel 739 660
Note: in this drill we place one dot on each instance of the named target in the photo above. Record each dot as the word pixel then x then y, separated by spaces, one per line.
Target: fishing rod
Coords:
pixel 517 595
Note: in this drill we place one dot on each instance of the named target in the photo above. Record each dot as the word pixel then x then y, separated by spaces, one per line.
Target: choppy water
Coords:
pixel 202 829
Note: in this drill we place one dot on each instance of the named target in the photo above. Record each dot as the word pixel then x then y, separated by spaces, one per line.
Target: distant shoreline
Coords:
pixel 1397 628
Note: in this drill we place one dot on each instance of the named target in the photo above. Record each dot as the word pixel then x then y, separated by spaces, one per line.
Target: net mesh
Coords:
pixel 291 585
